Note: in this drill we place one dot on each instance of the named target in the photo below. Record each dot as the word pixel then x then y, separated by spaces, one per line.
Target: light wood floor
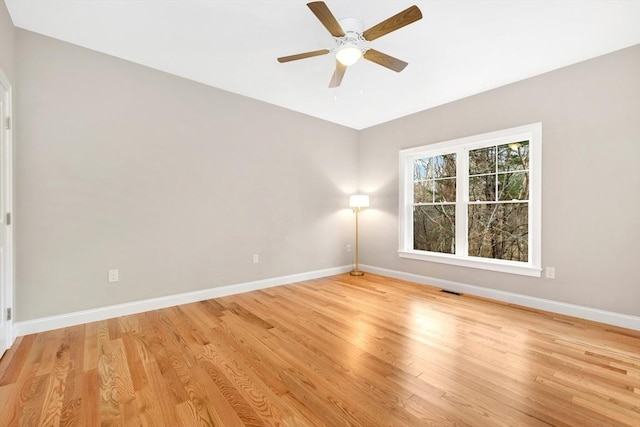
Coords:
pixel 367 351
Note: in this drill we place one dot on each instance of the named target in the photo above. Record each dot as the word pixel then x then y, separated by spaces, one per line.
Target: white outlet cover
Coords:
pixel 551 272
pixel 113 276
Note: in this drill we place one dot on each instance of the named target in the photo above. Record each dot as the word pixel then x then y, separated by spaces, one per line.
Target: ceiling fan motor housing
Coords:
pixel 351 25
pixel 353 29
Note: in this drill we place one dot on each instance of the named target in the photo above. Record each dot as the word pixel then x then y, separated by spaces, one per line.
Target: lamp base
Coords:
pixel 356 273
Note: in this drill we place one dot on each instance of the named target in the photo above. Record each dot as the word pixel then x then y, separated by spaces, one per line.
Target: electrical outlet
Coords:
pixel 114 276
pixel 551 272
pixel 348 248
pixel 256 259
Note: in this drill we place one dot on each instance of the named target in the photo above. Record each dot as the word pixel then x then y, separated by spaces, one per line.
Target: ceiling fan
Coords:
pixel 352 42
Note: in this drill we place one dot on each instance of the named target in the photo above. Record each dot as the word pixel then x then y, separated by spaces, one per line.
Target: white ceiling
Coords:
pixel 458 49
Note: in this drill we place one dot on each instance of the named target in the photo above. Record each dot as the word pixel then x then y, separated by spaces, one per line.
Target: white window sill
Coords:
pixel 511 267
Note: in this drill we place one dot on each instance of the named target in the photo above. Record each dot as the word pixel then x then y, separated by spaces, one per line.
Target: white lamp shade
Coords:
pixel 348 55
pixel 359 201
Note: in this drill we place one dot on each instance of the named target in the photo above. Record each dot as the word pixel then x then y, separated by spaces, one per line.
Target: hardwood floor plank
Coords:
pixel 34 391
pixel 72 400
pixel 9 396
pixel 54 395
pixel 90 359
pixel 90 398
pixel 71 412
pixel 161 363
pixel 437 412
pixel 339 351
pixel 246 401
pixel 123 382
pixel 216 386
pixel 149 409
pixel 109 406
pixel 330 412
pixel 159 391
pixel 189 416
pixel 16 362
pixel 130 412
pixel 135 366
pixel 198 408
pixel 8 356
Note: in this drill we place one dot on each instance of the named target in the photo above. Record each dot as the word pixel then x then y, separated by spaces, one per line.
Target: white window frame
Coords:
pixel 462 146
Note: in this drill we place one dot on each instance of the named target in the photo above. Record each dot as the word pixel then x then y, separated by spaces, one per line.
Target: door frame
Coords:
pixel 6 91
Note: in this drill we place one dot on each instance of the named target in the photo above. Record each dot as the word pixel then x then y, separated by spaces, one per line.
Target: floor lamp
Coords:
pixel 357 202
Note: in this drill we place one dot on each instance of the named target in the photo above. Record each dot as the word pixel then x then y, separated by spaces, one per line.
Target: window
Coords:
pixel 474 201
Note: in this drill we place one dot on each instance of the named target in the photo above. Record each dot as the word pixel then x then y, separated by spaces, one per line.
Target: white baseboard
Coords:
pixel 602 316
pixel 102 313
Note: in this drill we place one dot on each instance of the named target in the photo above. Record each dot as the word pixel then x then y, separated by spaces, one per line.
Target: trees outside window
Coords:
pixel 474 201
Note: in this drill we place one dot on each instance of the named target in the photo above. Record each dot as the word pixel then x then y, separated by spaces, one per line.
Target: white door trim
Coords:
pixel 6 91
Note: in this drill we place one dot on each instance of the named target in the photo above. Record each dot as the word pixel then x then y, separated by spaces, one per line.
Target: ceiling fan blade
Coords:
pixel 397 21
pixel 322 12
pixel 385 60
pixel 303 55
pixel 338 74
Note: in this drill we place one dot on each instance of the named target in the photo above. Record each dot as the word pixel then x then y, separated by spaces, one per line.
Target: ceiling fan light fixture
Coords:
pixel 349 54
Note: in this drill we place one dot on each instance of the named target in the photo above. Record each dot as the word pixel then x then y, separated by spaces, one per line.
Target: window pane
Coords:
pixel 482 188
pixel 434 228
pixel 482 161
pixel 499 231
pixel 513 156
pixel 421 169
pixel 445 190
pixel 423 192
pixel 513 186
pixel 444 166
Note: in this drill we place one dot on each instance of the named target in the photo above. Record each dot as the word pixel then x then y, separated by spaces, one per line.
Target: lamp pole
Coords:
pixel 357 202
pixel 357 272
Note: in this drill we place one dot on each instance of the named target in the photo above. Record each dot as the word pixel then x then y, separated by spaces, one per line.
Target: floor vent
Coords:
pixel 450 292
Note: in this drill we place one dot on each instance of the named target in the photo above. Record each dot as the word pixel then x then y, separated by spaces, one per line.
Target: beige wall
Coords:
pixel 177 184
pixel 174 183
pixel 591 180
pixel 7 32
